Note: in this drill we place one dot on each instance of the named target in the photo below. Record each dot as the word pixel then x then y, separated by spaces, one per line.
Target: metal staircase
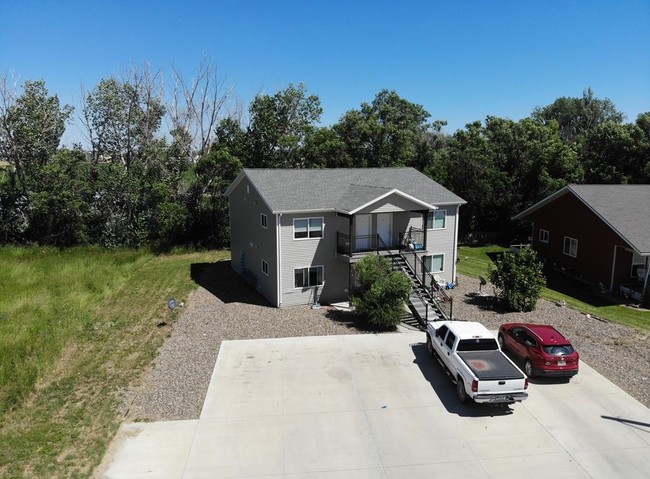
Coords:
pixel 428 301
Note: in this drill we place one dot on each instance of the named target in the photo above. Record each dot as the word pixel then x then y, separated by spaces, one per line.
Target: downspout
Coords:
pixel 454 278
pixel 350 257
pixel 611 280
pixel 645 281
pixel 278 262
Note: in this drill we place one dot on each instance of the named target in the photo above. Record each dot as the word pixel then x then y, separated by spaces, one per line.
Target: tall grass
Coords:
pixel 76 328
pixel 47 296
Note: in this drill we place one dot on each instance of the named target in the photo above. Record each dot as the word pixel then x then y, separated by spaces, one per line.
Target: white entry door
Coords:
pixel 385 227
pixel 362 232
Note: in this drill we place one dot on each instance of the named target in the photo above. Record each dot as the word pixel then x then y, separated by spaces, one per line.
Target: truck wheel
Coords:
pixel 460 390
pixel 500 339
pixel 529 369
pixel 432 353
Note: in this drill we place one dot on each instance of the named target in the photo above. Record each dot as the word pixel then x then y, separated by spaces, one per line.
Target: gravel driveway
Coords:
pixel 226 308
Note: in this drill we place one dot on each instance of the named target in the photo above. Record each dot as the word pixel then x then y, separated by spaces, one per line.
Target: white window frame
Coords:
pixel 430 258
pixel 309 230
pixel 265 267
pixel 543 235
pixel 573 247
pixel 432 217
pixel 264 220
pixel 309 268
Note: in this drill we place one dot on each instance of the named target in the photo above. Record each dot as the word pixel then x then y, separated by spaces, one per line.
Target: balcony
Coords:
pixel 348 245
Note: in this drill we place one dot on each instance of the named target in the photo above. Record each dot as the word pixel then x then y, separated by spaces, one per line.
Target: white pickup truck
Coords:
pixel 471 356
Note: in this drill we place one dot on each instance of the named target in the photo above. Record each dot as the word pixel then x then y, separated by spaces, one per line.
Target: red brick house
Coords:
pixel 599 233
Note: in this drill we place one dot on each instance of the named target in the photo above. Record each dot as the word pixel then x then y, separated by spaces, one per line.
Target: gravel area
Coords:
pixel 225 308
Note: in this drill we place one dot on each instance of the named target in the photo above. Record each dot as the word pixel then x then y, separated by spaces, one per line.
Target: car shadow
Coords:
pixel 223 282
pixel 445 389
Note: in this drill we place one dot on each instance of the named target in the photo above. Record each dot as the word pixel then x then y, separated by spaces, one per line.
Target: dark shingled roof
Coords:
pixel 625 208
pixel 341 189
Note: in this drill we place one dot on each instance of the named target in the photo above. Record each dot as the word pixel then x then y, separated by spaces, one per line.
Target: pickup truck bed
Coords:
pixel 488 365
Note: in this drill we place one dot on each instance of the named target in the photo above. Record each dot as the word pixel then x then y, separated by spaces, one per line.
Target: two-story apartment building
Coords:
pixel 295 233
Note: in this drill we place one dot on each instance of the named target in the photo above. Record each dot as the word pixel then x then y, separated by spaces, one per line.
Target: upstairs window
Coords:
pixel 570 247
pixel 543 236
pixel 437 219
pixel 264 221
pixel 307 228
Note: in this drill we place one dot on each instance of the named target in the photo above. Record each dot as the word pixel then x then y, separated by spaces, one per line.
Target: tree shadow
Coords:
pixel 445 389
pixel 484 302
pixel 223 282
pixel 352 320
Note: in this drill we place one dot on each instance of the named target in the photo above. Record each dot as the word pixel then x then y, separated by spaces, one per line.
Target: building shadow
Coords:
pixel 445 389
pixel 574 287
pixel 223 282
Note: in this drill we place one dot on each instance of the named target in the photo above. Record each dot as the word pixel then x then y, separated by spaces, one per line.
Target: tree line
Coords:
pixel 157 163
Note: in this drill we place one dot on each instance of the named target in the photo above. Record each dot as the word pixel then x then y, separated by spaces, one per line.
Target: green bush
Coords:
pixel 519 279
pixel 383 293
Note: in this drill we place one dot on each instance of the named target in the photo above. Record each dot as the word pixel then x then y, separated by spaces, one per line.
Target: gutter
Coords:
pixel 278 256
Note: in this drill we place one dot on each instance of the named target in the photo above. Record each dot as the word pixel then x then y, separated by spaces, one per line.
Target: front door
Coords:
pixel 384 227
pixel 362 233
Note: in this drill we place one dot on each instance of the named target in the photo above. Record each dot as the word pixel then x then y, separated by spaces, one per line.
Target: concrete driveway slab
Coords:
pixel 378 407
pixel 151 450
pixel 339 441
pixel 236 447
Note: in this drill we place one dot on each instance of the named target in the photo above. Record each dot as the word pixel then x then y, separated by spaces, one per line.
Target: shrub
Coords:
pixel 383 293
pixel 519 279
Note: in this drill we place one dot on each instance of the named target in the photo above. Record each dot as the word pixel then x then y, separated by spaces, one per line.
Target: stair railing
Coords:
pixel 424 277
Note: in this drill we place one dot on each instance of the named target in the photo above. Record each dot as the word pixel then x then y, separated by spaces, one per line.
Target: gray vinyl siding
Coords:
pixel 302 253
pixel 257 243
pixel 391 204
pixel 443 241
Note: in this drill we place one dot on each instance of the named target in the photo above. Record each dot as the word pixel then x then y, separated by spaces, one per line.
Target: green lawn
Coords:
pixel 474 261
pixel 77 326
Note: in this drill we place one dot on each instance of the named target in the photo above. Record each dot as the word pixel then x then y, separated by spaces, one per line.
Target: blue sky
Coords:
pixel 461 60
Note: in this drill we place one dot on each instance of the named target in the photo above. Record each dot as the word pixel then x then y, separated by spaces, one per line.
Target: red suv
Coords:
pixel 542 348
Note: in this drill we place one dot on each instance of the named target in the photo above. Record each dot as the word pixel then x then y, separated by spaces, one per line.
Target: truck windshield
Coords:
pixel 481 344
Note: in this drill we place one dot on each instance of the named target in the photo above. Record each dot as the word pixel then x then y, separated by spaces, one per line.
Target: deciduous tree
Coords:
pixel 31 126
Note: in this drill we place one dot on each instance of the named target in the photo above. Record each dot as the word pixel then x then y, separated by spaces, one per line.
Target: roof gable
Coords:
pixel 624 208
pixel 343 189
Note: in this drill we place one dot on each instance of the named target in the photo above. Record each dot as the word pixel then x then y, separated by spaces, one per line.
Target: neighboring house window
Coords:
pixel 434 263
pixel 570 246
pixel 264 221
pixel 437 219
pixel 265 267
pixel 308 228
pixel 638 271
pixel 308 277
pixel 543 236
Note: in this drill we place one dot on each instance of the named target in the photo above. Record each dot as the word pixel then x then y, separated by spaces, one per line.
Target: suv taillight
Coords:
pixel 526 384
pixel 474 386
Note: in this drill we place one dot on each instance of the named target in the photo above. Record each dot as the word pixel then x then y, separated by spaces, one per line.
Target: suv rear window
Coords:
pixel 484 344
pixel 560 350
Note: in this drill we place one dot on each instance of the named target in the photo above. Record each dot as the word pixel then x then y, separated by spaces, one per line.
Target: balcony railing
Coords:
pixel 412 240
pixel 351 245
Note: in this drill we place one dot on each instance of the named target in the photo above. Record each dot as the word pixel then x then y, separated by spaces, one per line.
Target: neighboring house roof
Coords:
pixel 342 189
pixel 624 208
